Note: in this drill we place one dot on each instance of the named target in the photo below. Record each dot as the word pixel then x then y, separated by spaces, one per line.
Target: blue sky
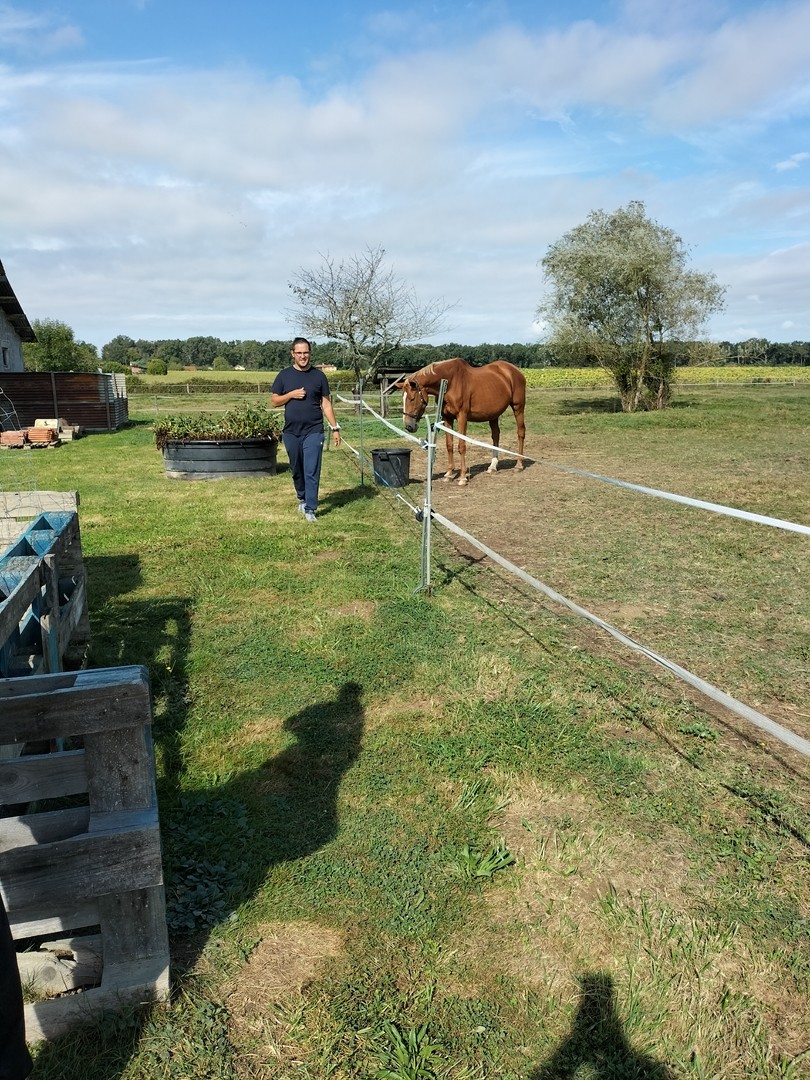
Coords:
pixel 166 166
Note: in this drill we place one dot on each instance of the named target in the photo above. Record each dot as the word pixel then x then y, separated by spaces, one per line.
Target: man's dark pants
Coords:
pixel 305 453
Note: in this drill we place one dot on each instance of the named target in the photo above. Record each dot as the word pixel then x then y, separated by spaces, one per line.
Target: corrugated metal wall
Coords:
pixel 94 401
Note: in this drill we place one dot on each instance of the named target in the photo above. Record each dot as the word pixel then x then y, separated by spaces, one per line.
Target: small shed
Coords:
pixel 14 327
pixel 93 401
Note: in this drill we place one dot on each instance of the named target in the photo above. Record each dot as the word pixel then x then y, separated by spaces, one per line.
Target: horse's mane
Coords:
pixel 430 369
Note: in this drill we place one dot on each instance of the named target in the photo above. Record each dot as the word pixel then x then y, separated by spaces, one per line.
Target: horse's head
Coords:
pixel 414 403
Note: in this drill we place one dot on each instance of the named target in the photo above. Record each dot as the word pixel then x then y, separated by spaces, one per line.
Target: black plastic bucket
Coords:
pixel 392 467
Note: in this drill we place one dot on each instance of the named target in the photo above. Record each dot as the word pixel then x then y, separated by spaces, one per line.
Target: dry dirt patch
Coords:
pixel 261 999
pixel 360 609
pixel 285 961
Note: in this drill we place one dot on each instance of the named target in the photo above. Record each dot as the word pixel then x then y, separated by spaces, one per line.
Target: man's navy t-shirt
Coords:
pixel 305 415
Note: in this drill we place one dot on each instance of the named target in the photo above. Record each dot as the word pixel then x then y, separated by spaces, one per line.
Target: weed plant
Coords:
pixel 456 835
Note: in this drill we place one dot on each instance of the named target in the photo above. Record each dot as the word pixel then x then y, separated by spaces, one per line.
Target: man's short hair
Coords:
pixel 301 341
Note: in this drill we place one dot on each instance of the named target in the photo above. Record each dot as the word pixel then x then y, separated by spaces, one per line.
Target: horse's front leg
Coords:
pixel 494 427
pixel 448 442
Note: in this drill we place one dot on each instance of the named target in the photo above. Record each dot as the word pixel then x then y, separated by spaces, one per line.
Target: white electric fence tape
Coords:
pixel 402 434
pixel 738 707
pixel 764 723
pixel 716 508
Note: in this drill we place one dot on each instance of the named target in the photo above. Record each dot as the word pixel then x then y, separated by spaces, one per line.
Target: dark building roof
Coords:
pixel 10 306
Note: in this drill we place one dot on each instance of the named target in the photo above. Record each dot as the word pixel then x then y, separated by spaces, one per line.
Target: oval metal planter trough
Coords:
pixel 216 459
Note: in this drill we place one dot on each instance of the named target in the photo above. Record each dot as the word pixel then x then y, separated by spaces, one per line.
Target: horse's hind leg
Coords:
pixel 494 427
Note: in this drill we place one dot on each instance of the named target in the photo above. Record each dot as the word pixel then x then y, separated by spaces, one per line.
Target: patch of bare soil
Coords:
pixel 362 609
pixel 286 960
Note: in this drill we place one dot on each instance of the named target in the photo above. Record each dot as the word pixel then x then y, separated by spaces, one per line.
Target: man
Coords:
pixel 303 391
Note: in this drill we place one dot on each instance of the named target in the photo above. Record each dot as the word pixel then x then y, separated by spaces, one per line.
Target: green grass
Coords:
pixel 462 835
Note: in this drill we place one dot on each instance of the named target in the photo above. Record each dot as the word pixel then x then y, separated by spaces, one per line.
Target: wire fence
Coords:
pixel 428 515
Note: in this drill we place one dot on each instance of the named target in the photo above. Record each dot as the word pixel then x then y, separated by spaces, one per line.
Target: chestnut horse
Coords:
pixel 472 394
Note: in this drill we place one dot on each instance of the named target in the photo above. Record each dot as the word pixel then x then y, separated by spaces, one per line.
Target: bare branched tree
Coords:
pixel 361 304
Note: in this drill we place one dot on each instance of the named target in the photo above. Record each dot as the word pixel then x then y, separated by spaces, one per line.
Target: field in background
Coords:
pixel 466 829
pixel 536 377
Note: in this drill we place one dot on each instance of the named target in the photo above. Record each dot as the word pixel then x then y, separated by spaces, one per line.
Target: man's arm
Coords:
pixel 329 413
pixel 281 399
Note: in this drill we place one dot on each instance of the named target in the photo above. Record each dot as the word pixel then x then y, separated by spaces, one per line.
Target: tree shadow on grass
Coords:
pixel 597 1039
pixel 573 406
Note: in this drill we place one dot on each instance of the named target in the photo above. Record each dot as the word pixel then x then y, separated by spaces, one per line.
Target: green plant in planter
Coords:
pixel 242 422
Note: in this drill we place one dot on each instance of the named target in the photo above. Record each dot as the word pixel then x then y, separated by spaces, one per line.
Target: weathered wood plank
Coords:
pixel 133 926
pixel 82 866
pixel 69 703
pixel 43 828
pixel 20 597
pixel 49 614
pixel 53 917
pixel 120 769
pixel 71 614
pixel 42 776
pixel 138 984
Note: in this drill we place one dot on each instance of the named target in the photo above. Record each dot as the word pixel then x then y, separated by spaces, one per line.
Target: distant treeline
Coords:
pixel 211 352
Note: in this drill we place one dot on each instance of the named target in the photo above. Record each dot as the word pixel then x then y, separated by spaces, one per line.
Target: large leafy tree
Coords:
pixel 56 349
pixel 621 294
pixel 360 303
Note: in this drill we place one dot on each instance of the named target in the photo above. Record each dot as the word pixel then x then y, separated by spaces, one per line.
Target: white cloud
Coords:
pixel 36 34
pixel 792 162
pixel 755 62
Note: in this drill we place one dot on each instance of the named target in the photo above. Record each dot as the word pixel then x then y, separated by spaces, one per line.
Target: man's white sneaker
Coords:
pixel 309 517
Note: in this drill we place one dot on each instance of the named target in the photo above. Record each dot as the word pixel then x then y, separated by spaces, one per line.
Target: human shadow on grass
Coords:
pixel 221 842
pixel 297 789
pixel 597 1040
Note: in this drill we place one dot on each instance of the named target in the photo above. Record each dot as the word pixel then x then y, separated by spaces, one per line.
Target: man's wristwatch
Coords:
pixel 335 428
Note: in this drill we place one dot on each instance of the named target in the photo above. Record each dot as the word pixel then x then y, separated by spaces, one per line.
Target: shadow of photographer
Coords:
pixel 597 1039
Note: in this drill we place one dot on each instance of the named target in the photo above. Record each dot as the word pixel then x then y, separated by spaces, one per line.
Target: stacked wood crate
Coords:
pixel 14 439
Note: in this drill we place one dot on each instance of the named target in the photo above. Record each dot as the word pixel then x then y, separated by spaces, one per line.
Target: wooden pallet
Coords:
pixel 95 867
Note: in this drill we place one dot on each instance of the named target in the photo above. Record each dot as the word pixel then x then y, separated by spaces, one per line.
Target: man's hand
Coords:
pixel 299 393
